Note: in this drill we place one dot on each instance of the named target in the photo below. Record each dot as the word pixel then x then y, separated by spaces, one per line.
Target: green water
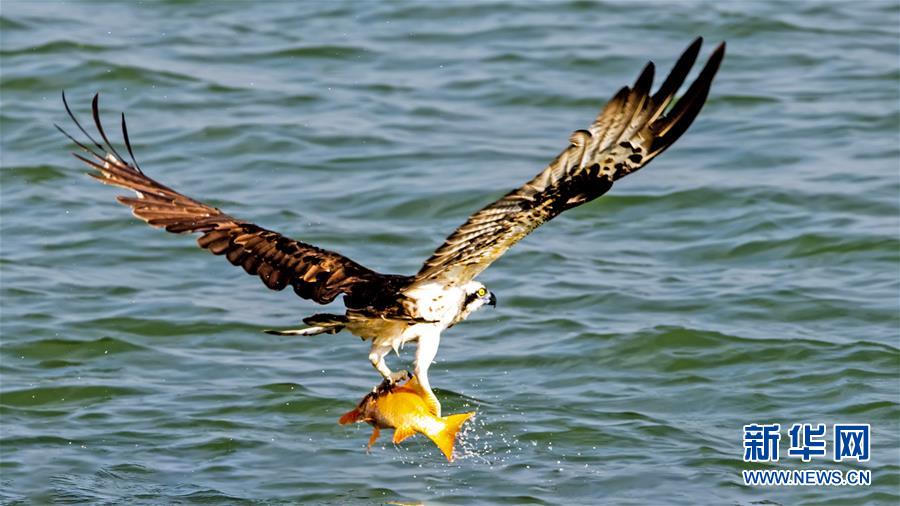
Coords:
pixel 750 274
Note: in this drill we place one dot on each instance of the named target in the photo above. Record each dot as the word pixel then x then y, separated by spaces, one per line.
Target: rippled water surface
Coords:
pixel 750 274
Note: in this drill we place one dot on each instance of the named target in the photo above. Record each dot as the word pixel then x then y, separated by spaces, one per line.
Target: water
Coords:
pixel 748 275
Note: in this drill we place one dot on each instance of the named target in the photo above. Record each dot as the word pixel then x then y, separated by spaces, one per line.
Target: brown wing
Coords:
pixel 279 261
pixel 631 130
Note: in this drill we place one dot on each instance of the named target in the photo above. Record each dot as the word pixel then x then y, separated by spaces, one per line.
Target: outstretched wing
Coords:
pixel 279 261
pixel 632 129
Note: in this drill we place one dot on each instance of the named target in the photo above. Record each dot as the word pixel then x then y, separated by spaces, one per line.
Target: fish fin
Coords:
pixel 375 433
pixel 431 401
pixel 447 436
pixel 351 416
pixel 401 434
pixel 413 383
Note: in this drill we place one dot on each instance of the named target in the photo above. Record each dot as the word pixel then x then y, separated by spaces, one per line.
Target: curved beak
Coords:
pixel 492 301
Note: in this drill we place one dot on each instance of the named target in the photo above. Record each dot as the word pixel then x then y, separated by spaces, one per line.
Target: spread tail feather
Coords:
pixel 308 331
pixel 318 324
pixel 446 437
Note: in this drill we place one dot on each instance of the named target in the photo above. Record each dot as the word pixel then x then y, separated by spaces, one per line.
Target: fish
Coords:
pixel 407 409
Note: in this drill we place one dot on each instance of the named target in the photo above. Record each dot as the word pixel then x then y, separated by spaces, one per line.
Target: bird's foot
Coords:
pixel 383 387
pixel 397 377
pixel 389 383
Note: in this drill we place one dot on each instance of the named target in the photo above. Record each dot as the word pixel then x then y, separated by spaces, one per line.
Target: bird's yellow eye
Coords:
pixel 481 292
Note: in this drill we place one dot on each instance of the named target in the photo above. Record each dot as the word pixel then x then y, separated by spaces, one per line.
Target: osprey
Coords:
pixel 389 309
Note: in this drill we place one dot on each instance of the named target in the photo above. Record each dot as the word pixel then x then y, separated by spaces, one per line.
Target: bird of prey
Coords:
pixel 634 128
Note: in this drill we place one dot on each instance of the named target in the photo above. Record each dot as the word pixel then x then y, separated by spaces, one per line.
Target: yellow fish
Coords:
pixel 407 409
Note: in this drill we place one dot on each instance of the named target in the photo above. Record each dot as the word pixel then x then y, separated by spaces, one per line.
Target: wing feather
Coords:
pixel 314 273
pixel 633 128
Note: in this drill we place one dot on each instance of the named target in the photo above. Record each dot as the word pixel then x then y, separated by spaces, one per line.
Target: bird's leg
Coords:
pixel 376 356
pixel 425 353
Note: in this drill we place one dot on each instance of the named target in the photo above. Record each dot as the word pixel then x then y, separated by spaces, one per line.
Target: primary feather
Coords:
pixel 632 129
pixel 314 273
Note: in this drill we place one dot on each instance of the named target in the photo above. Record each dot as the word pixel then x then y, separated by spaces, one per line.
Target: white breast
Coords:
pixel 436 302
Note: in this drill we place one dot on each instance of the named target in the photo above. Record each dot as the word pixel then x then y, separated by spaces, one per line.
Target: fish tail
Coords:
pixel 446 437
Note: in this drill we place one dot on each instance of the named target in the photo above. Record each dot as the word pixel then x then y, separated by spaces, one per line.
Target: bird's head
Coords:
pixel 477 295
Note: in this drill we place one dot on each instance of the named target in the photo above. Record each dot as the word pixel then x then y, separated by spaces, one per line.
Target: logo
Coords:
pixel 807 441
pixel 851 442
pixel 761 442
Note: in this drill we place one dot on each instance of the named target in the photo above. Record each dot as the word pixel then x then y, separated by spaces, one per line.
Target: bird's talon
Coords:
pixel 384 387
pixel 400 376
